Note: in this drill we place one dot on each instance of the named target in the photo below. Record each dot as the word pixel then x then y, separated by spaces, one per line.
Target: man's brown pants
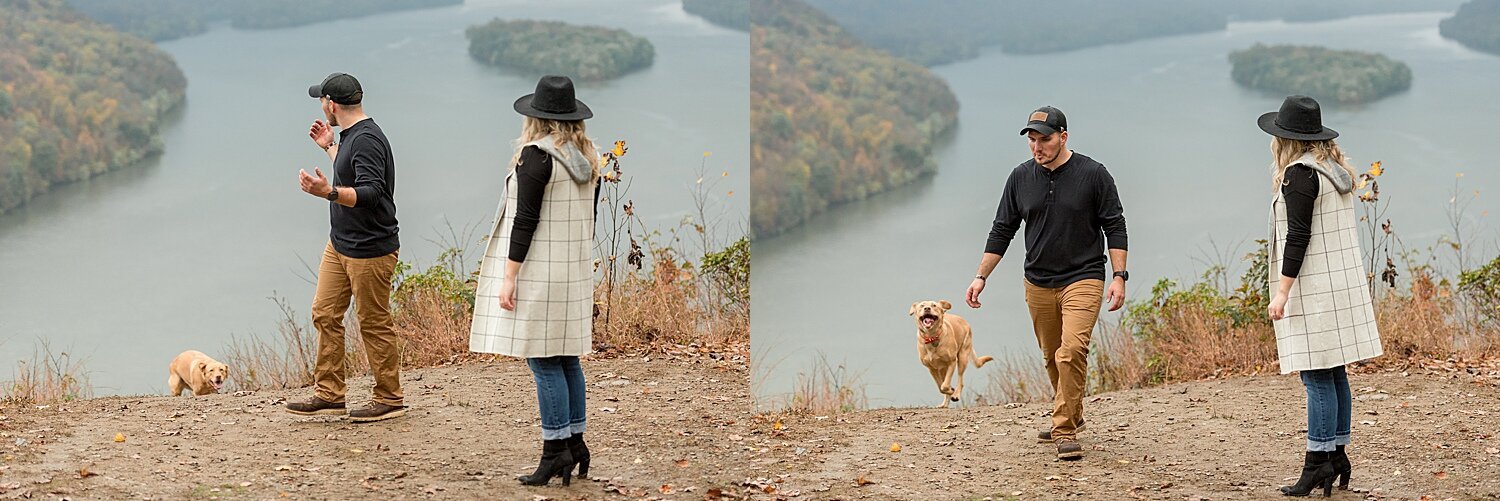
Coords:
pixel 1063 319
pixel 368 283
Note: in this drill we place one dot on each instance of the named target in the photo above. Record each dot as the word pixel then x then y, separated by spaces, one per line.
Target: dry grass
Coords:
pixel 1016 379
pixel 826 389
pixel 48 378
pixel 285 361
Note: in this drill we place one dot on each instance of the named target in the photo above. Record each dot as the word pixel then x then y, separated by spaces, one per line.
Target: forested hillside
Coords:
pixel 76 98
pixel 832 120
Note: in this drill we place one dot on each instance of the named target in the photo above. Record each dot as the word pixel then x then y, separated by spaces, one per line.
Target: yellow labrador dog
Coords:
pixel 946 346
pixel 192 370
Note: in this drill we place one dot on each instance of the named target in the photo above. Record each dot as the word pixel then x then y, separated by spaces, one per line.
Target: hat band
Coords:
pixel 550 109
pixel 1299 130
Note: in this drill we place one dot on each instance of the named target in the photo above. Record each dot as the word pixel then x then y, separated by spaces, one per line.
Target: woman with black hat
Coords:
pixel 1321 307
pixel 536 301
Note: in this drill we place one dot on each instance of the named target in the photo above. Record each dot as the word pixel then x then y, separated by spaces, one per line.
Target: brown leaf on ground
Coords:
pixel 85 473
pixel 682 463
pixel 1441 475
pixel 862 481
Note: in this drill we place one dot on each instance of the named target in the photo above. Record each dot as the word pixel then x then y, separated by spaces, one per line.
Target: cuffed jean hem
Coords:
pixel 578 428
pixel 1321 446
pixel 564 433
pixel 1341 440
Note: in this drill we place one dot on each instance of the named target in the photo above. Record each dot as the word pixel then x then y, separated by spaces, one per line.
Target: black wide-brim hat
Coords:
pixel 554 99
pixel 1300 118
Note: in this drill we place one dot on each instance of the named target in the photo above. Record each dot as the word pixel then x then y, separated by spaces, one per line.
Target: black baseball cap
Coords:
pixel 1046 120
pixel 342 88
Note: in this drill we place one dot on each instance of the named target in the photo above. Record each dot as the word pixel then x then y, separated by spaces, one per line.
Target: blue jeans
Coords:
pixel 1329 408
pixel 560 395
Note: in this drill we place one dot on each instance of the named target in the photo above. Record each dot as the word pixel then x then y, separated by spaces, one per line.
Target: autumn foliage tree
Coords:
pixel 76 98
pixel 832 120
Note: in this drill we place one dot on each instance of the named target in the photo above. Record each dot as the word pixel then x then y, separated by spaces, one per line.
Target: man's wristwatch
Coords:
pixel 1124 275
pixel 981 278
pixel 333 194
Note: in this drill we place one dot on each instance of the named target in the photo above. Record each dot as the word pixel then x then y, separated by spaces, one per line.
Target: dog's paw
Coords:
pixel 953 398
pixel 946 390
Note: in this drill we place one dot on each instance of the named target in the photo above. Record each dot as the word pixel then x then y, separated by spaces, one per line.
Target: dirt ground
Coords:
pixel 680 427
pixel 1424 431
pixel 659 424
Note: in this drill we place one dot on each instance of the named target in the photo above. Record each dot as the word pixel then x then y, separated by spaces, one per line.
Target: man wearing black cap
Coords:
pixel 1072 212
pixel 361 253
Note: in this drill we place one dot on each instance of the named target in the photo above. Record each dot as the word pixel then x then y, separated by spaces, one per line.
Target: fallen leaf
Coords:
pixel 1441 475
pixel 858 482
pixel 666 488
pixel 778 426
pixel 119 437
pixel 714 493
pixel 682 463
pixel 769 489
pixel 895 447
pixel 285 467
pixel 85 473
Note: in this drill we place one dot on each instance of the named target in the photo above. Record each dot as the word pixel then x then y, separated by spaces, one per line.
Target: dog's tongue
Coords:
pixel 927 322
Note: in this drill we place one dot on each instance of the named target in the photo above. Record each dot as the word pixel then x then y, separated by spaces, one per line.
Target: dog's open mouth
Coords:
pixel 217 384
pixel 927 320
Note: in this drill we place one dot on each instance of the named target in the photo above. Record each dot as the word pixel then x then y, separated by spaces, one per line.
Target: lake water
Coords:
pixel 1191 166
pixel 130 268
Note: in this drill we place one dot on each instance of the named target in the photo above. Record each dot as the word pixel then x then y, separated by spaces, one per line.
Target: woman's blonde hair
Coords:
pixel 568 132
pixel 1286 151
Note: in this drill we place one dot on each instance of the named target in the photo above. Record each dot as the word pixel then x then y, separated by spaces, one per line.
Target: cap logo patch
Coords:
pixel 1039 116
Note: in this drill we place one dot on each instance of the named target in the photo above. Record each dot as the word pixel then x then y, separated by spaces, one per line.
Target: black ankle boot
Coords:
pixel 556 462
pixel 1317 471
pixel 1342 466
pixel 580 453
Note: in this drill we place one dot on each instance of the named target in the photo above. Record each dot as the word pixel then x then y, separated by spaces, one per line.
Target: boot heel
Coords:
pixel 1344 480
pixel 1327 487
pixel 567 476
pixel 583 468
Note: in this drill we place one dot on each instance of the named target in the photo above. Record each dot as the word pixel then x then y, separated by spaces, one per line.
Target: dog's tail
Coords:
pixel 978 360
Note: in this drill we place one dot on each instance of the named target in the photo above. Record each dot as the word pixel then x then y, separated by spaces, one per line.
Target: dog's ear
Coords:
pixel 913 308
pixel 945 304
pixel 200 366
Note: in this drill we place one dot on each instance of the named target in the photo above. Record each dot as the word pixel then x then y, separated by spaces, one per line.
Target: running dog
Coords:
pixel 945 346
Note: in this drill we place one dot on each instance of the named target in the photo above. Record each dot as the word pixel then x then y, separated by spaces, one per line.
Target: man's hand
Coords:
pixel 1116 295
pixel 315 186
pixel 321 134
pixel 975 287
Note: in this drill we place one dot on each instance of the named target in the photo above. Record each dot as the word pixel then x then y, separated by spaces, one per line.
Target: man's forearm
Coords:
pixel 332 150
pixel 1117 259
pixel 987 264
pixel 347 196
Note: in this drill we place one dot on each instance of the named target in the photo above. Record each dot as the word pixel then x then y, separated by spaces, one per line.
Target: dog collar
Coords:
pixel 927 340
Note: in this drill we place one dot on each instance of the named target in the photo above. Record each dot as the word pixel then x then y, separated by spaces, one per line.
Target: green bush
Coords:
pixel 1482 285
pixel 729 270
